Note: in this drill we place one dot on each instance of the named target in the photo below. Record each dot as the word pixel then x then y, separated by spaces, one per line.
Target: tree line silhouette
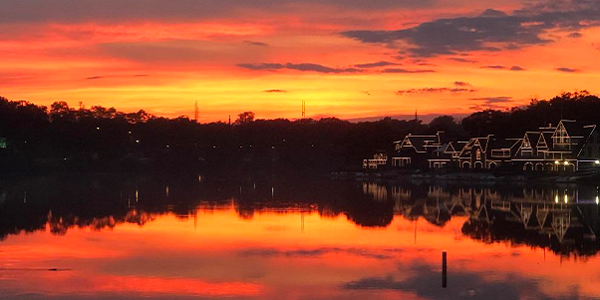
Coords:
pixel 60 137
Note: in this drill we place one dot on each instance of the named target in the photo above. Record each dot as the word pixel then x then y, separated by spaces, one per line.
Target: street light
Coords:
pixel 556 162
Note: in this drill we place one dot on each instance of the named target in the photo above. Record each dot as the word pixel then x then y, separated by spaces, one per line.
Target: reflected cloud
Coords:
pixel 426 282
pixel 386 253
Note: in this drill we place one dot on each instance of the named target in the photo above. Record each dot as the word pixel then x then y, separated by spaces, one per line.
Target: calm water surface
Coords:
pixel 161 237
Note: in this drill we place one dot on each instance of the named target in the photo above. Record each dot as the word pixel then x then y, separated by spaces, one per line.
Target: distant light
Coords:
pixel 97 128
pixel 556 198
pixel 129 132
pixel 566 198
pixel 566 163
pixel 597 200
pixel 241 147
pixel 597 162
pixel 272 147
pixel 556 162
pixel 65 158
pixel 214 147
pixel 168 146
pixel 137 141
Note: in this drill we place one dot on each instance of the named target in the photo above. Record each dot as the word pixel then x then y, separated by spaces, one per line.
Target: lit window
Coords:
pixel 3 143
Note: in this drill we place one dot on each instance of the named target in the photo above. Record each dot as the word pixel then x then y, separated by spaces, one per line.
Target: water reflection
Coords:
pixel 564 219
pixel 164 237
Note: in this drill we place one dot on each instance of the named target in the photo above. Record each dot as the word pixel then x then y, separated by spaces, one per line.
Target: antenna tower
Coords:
pixel 303 109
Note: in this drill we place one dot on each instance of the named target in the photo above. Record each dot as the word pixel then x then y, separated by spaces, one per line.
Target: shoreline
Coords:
pixel 464 176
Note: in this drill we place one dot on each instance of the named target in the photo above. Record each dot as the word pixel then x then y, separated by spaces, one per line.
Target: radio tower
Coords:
pixel 196 112
pixel 303 109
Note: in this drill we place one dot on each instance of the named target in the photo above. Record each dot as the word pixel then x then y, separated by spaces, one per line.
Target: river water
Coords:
pixel 115 236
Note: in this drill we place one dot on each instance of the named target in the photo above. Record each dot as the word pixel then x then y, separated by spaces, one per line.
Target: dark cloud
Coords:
pixel 420 62
pixel 464 60
pixel 435 90
pixel 376 64
pixel 275 91
pixel 17 11
pixel 575 35
pixel 253 43
pixel 405 71
pixel 304 67
pixel 461 83
pixel 498 67
pixel 491 100
pixel 491 31
pixel 568 70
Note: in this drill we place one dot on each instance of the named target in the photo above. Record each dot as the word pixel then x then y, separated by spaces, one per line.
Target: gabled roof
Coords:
pixel 573 129
pixel 459 145
pixel 508 143
pixel 483 143
pixel 533 137
pixel 420 142
pixel 455 146
pixel 547 136
pixel 588 131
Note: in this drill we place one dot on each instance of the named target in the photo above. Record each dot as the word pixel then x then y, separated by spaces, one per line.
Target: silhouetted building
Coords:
pixel 568 147
pixel 378 160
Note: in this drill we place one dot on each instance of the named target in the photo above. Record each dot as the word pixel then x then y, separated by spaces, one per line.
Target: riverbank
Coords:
pixel 464 176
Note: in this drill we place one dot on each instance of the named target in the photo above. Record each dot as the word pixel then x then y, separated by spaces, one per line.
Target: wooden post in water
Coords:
pixel 444 269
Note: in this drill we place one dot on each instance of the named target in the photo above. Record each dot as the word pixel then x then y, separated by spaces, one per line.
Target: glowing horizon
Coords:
pixel 348 60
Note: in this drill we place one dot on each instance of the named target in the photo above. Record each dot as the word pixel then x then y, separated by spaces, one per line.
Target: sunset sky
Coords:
pixel 346 58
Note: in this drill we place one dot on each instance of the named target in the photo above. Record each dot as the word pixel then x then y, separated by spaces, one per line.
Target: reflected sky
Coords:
pixel 88 238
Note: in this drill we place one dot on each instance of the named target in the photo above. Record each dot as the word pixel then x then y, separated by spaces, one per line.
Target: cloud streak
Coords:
pixel 115 76
pixel 386 253
pixel 253 43
pixel 499 67
pixel 568 70
pixel 303 67
pixel 435 90
pixel 375 65
pixel 491 102
pixel 406 71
